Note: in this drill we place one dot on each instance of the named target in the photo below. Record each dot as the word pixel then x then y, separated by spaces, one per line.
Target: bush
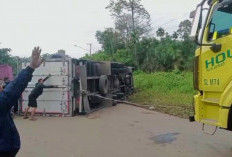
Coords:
pixel 122 56
pixel 165 89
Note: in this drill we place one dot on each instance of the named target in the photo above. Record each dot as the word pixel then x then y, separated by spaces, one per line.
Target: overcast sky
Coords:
pixel 60 24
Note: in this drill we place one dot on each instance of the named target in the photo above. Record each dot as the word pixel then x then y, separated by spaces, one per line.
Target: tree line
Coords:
pixel 131 42
pixel 6 58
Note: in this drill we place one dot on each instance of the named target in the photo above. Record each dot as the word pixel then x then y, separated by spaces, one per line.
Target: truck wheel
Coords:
pixel 103 84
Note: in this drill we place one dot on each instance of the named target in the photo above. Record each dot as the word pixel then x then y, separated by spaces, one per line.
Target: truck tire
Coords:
pixel 103 84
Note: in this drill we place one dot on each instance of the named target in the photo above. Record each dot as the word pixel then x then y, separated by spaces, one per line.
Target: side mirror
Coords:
pixel 196 22
pixel 216 48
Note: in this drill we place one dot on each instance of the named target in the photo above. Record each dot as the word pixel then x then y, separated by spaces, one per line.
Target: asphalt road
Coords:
pixel 121 131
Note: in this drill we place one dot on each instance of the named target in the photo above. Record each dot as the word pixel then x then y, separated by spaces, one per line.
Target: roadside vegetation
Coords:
pixel 168 92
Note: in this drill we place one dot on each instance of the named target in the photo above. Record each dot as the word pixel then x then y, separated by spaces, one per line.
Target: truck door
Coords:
pixel 215 64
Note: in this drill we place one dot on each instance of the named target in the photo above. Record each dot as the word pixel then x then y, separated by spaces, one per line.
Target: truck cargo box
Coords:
pixel 83 86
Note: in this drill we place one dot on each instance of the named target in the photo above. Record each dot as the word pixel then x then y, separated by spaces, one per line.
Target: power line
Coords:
pixel 170 21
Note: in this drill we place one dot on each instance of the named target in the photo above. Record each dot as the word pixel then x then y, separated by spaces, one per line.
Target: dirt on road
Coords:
pixel 120 131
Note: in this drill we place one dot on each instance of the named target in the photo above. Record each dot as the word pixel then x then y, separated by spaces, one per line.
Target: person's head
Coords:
pixel 6 79
pixel 40 80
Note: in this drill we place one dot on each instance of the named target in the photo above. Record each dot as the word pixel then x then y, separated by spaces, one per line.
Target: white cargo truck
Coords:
pixel 83 86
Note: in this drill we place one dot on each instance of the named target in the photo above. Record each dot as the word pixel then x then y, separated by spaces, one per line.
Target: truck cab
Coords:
pixel 212 31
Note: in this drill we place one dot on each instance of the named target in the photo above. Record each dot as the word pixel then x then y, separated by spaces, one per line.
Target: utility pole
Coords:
pixel 90 48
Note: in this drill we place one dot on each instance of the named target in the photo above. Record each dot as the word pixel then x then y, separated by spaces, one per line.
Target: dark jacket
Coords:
pixel 38 90
pixel 16 101
pixel 5 84
pixel 9 136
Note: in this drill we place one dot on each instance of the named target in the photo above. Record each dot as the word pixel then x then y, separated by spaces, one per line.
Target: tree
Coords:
pixel 123 25
pixel 184 29
pixel 110 40
pixel 160 32
pixel 131 19
pixel 151 54
pixel 175 35
pixel 6 58
pixel 130 16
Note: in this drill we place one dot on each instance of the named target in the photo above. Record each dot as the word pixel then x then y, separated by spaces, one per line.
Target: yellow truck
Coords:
pixel 212 31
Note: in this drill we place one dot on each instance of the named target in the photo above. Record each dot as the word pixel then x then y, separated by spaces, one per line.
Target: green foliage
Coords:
pixel 165 54
pixel 160 32
pixel 6 58
pixel 132 21
pixel 122 56
pixel 165 81
pixel 99 56
pixel 132 46
pixel 110 40
pixel 184 29
pixel 161 89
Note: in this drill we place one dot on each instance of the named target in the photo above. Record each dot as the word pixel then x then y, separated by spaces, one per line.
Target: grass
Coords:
pixel 167 92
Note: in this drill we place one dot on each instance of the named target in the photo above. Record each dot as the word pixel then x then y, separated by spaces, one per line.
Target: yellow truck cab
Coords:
pixel 212 30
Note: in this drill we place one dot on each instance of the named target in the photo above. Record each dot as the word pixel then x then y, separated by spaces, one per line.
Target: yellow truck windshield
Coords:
pixel 221 22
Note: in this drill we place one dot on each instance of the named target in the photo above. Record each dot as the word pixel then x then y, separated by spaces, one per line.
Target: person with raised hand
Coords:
pixel 9 136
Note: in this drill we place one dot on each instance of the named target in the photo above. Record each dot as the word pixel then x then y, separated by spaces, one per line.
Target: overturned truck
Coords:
pixel 83 86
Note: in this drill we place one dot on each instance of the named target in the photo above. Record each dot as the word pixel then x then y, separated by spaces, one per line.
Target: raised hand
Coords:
pixel 36 60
